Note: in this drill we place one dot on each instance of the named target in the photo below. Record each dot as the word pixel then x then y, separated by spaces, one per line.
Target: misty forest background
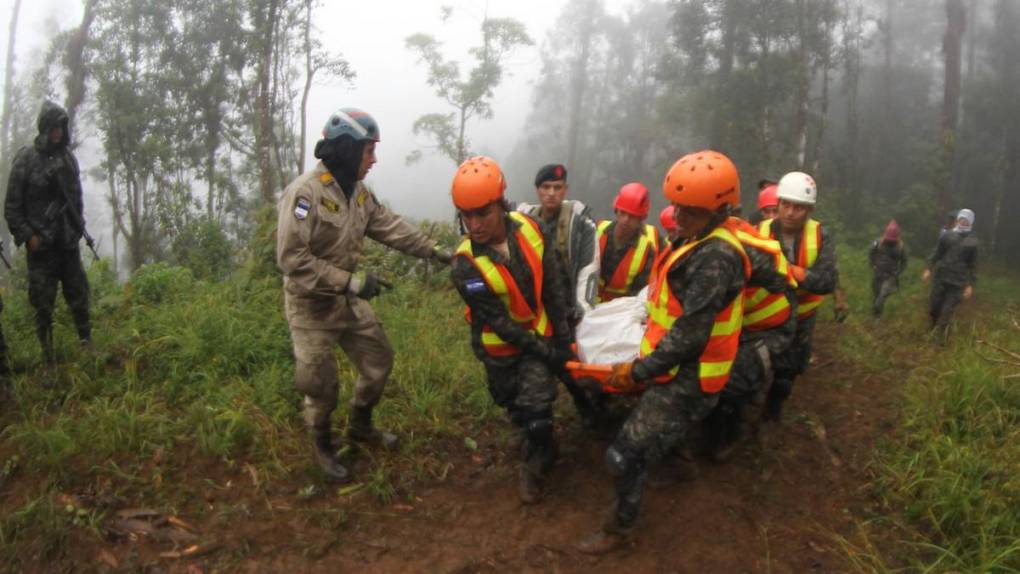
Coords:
pixel 900 108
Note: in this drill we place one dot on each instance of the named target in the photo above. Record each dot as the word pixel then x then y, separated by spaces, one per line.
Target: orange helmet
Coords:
pixel 705 179
pixel 633 199
pixel 478 182
pixel 667 219
pixel 768 196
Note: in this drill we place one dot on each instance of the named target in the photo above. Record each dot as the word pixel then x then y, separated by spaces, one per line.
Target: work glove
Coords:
pixel 441 255
pixel 621 379
pixel 366 285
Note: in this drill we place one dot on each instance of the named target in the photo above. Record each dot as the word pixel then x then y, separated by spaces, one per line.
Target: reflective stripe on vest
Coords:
pixel 664 309
pixel 502 284
pixel 621 283
pixel 810 245
pixel 763 309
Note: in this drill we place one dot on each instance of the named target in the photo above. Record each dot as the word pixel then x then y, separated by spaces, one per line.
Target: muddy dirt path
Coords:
pixel 774 508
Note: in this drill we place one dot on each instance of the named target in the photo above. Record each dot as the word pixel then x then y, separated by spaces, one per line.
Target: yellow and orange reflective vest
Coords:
pixel 502 284
pixel 664 308
pixel 763 309
pixel 621 283
pixel 810 245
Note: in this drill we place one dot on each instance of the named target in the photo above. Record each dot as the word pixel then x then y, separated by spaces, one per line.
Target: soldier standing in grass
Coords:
pixel 44 187
pixel 695 305
pixel 888 258
pixel 953 265
pixel 517 303
pixel 324 217
pixel 811 250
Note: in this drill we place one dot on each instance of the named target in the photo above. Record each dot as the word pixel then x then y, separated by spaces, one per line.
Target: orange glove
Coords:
pixel 799 273
pixel 621 378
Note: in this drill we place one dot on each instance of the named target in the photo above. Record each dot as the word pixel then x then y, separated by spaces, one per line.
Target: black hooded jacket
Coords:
pixel 36 204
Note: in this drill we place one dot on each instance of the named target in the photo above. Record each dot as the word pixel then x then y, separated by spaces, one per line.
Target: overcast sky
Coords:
pixel 389 84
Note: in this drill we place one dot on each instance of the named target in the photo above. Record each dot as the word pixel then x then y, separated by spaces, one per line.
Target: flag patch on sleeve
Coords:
pixel 476 286
pixel 301 208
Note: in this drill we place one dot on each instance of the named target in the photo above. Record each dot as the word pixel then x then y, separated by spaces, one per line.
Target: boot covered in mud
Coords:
pixel 539 455
pixel 325 455
pixel 619 525
pixel 361 429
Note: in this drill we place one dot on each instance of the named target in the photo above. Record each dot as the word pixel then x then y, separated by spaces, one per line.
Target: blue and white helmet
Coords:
pixel 353 122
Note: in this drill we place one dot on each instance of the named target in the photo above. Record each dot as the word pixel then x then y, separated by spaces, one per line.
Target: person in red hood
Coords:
pixel 888 259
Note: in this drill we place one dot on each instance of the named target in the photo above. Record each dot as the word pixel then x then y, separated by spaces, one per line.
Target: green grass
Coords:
pixel 948 479
pixel 184 369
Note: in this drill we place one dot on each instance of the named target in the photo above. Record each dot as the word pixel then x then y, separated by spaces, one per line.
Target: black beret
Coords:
pixel 551 172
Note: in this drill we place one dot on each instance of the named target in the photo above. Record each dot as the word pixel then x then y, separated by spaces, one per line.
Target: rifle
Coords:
pixel 76 218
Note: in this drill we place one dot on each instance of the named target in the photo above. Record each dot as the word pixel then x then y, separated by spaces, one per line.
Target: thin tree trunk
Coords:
pixel 823 115
pixel 803 77
pixel 309 74
pixel 729 41
pixel 579 83
pixel 74 61
pixel 853 74
pixel 956 22
pixel 263 135
pixel 5 119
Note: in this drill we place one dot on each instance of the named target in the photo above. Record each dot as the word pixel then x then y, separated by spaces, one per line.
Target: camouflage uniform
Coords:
pixel 954 267
pixel 751 373
pixel 706 282
pixel 888 259
pixel 319 242
pixel 821 278
pixel 523 384
pixel 572 233
pixel 36 206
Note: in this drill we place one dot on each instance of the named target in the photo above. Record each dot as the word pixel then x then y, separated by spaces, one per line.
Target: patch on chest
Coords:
pixel 476 286
pixel 330 205
pixel 362 197
pixel 301 208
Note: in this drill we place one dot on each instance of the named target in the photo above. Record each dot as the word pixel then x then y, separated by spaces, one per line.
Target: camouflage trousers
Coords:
pixel 793 362
pixel 526 389
pixel 882 286
pixel 663 417
pixel 47 268
pixel 943 302
pixel 315 367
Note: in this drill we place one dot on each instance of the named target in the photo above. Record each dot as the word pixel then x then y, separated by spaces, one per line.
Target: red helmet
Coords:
pixel 706 179
pixel 667 219
pixel 633 199
pixel 478 182
pixel 768 196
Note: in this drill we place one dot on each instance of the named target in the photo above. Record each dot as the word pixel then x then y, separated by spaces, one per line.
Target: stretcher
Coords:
pixel 595 377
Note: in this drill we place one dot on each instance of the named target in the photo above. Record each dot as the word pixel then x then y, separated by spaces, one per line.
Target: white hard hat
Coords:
pixel 798 187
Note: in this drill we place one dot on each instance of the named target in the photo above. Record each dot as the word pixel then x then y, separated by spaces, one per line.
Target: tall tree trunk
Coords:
pixel 729 47
pixel 74 61
pixel 263 106
pixel 956 22
pixel 823 113
pixel 5 119
pixel 803 87
pixel 579 82
pixel 852 49
pixel 309 75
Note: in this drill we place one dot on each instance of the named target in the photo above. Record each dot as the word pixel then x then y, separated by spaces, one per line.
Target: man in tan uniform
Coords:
pixel 324 217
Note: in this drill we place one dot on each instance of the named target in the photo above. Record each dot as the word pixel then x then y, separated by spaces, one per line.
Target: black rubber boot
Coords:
pixel 362 430
pixel 539 456
pixel 618 526
pixel 325 455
